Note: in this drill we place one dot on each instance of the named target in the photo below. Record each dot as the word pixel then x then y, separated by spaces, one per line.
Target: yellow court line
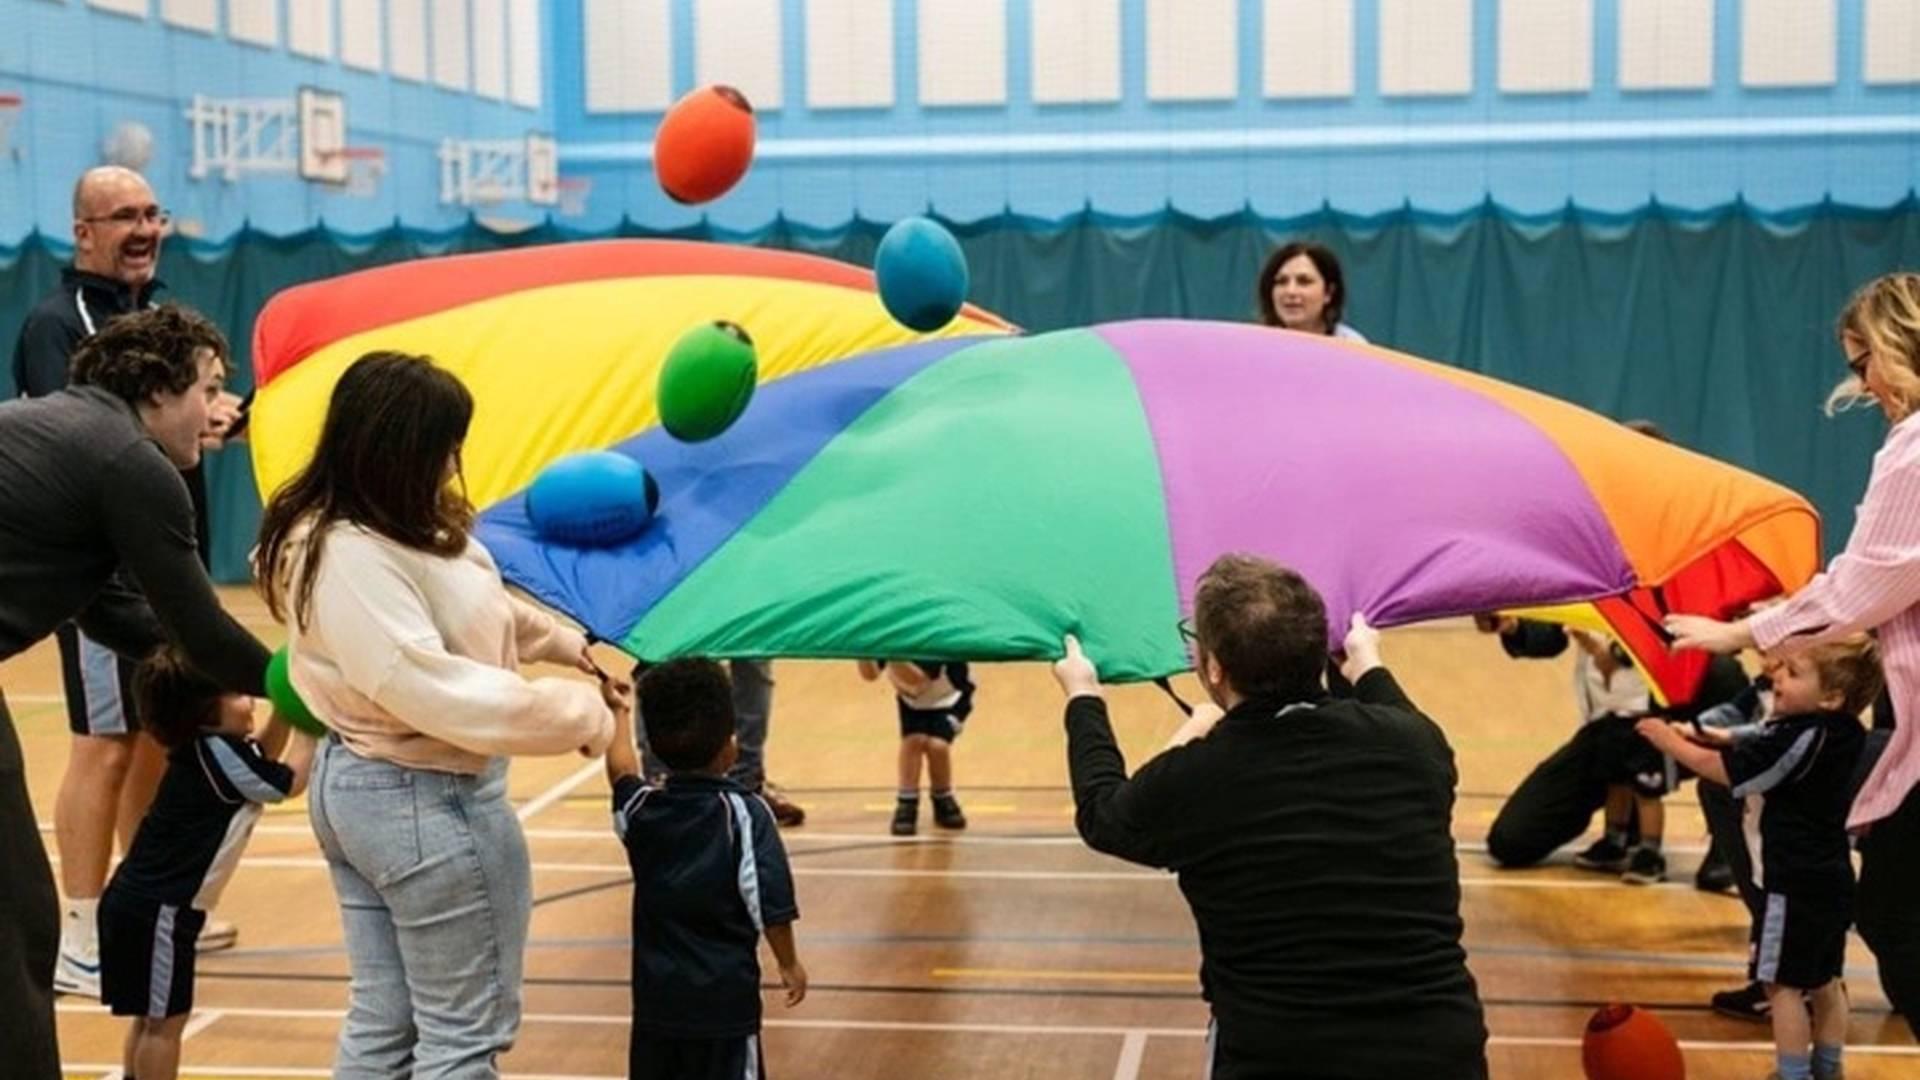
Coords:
pixel 1187 977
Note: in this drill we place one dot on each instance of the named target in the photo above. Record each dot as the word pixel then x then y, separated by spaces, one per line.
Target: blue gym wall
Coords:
pixel 821 167
pixel 84 69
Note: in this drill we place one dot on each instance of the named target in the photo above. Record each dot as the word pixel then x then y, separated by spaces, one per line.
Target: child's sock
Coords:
pixel 947 794
pixel 1826 1060
pixel 1651 843
pixel 1793 1066
pixel 80 929
pixel 910 795
pixel 1617 836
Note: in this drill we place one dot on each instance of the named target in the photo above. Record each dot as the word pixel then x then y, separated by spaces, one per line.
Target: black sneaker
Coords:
pixel 1603 855
pixel 1747 1003
pixel 946 812
pixel 1645 867
pixel 906 817
pixel 1715 876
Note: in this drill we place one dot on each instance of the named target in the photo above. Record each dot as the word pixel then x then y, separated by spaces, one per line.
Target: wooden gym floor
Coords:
pixel 1006 951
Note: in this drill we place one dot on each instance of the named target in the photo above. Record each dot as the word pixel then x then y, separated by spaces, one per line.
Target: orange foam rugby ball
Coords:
pixel 704 144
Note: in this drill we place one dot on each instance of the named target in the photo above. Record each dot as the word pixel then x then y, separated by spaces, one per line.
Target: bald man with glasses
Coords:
pixel 118 228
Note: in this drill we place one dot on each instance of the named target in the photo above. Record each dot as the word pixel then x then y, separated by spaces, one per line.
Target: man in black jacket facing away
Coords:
pixel 1312 838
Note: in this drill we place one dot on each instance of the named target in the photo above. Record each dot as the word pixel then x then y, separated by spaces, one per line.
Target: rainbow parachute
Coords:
pixel 977 498
pixel 561 345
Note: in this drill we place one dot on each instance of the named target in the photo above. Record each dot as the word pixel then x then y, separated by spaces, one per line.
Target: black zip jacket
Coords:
pixel 1313 843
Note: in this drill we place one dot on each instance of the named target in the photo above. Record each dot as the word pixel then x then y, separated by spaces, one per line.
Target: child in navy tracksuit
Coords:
pixel 934 700
pixel 709 878
pixel 1795 772
pixel 186 849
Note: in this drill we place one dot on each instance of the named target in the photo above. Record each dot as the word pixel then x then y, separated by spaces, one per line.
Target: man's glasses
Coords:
pixel 133 215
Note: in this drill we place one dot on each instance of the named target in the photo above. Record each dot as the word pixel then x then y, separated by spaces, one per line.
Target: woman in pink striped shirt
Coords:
pixel 1873 585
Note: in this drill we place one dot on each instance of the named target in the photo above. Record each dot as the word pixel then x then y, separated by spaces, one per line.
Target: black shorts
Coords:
pixel 146 955
pixel 1801 940
pixel 944 724
pixel 1624 757
pixel 651 1057
pixel 99 685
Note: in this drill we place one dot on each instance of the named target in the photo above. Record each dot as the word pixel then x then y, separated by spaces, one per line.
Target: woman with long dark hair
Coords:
pixel 1302 287
pixel 407 644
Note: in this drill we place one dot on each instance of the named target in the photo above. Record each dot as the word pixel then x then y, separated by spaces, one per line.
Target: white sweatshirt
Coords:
pixel 414 658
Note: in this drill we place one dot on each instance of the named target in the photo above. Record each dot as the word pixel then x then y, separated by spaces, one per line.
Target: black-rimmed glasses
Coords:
pixel 133 215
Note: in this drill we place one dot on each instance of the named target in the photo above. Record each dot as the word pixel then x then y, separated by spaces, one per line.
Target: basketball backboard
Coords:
pixel 543 169
pixel 323 136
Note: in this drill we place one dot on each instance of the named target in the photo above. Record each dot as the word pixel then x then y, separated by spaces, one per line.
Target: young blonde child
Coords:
pixel 217 781
pixel 934 700
pixel 1795 771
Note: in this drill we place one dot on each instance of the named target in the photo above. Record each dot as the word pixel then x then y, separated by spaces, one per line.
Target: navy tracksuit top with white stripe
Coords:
pixel 709 875
pixel 191 839
pixel 1796 775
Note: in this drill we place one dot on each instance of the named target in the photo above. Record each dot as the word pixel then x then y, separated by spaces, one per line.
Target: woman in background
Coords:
pixel 1303 288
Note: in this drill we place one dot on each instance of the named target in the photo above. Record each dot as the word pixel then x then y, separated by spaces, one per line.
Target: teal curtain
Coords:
pixel 1716 325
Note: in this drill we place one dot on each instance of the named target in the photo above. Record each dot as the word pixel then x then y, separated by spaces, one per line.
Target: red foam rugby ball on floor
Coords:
pixel 1626 1043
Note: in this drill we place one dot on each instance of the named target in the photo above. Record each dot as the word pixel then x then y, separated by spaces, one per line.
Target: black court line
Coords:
pixel 602 886
pixel 593 983
pixel 1061 789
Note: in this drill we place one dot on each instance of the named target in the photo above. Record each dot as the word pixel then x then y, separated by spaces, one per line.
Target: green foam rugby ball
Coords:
pixel 707 381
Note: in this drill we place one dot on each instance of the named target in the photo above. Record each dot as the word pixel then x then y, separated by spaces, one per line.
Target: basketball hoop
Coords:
pixel 10 107
pixel 365 166
pixel 574 191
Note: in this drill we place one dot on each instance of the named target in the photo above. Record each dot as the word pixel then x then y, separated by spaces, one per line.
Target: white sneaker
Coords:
pixel 74 975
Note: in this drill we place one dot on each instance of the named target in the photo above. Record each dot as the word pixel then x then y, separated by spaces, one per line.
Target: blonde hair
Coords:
pixel 1885 315
pixel 1849 667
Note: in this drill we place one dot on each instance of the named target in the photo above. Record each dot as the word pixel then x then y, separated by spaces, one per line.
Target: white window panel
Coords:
pixel 1666 44
pixel 738 43
pixel 490 49
pixel 1892 42
pixel 360 34
pixel 963 52
pixel 136 8
pixel 523 49
pixel 849 54
pixel 1075 51
pixel 192 14
pixel 256 22
pixel 629 55
pixel 310 28
pixel 1788 43
pixel 407 38
pixel 1308 48
pixel 1426 47
pixel 1193 50
pixel 1546 47
pixel 450 55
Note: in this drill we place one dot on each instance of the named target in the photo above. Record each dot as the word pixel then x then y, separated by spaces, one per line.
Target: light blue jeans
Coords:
pixel 435 894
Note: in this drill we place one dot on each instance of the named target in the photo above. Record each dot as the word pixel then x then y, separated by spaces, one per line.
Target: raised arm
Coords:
pixel 1130 819
pixel 1876 577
